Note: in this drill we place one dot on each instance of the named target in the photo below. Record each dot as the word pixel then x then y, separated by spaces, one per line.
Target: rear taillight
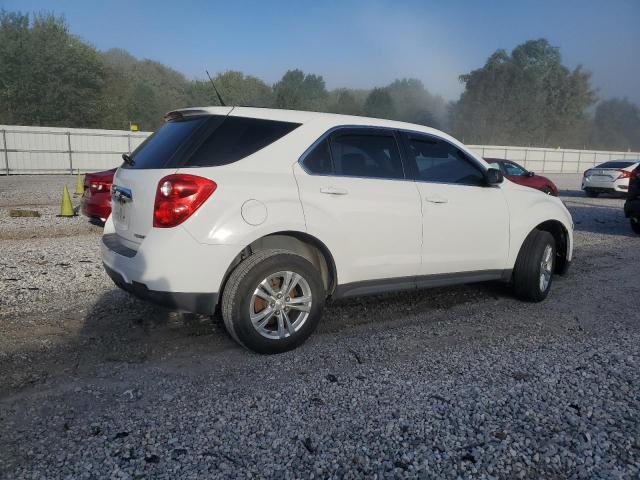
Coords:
pixel 178 197
pixel 99 186
pixel 624 174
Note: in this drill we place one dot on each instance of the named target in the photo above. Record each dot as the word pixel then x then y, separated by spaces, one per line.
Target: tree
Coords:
pixel 299 91
pixel 235 88
pixel 380 104
pixel 413 103
pixel 344 101
pixel 141 91
pixel 527 98
pixel 617 125
pixel 48 76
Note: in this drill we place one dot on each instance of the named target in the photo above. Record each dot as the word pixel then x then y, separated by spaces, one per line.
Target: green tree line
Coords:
pixel 526 97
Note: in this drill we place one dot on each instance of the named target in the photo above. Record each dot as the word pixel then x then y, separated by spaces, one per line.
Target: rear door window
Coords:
pixel 207 141
pixel 367 154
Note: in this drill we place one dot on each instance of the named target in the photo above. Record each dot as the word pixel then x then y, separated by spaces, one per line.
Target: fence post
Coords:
pixel 70 155
pixel 579 160
pixel 544 159
pixel 526 150
pixel 562 163
pixel 129 142
pixel 6 151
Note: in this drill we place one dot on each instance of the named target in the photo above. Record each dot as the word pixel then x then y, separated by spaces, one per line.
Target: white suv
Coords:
pixel 267 213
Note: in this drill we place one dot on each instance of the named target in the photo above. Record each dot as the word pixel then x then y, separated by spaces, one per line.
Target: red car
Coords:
pixel 521 176
pixel 96 200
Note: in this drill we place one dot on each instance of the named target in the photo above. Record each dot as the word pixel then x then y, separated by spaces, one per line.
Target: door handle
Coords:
pixel 333 190
pixel 437 199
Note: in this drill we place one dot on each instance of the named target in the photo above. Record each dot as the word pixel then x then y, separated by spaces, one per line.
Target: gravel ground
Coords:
pixel 461 382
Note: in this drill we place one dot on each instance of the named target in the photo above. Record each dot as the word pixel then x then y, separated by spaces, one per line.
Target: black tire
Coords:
pixel 238 293
pixel 590 193
pixel 547 190
pixel 635 224
pixel 528 269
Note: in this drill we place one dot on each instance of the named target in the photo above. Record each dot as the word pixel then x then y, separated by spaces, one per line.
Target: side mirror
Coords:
pixel 494 177
pixel 530 174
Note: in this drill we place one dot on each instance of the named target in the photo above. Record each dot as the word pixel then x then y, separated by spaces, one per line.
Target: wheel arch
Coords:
pixel 561 236
pixel 301 243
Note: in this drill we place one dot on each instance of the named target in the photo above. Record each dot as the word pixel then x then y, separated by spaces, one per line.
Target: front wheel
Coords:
pixel 635 224
pixel 533 272
pixel 273 301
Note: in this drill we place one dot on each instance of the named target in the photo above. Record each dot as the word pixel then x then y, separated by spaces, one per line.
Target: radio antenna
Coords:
pixel 216 90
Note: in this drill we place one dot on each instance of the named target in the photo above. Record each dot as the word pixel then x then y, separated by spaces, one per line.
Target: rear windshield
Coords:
pixel 614 164
pixel 207 141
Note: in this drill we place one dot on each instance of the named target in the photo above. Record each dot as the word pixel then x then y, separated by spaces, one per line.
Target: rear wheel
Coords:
pixel 635 224
pixel 590 193
pixel 273 301
pixel 533 272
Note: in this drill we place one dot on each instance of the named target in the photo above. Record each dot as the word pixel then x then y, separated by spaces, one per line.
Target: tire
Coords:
pixel 590 193
pixel 635 224
pixel 239 302
pixel 527 281
pixel 547 190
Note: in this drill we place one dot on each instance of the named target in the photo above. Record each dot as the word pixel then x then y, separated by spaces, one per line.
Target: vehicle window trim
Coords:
pixel 407 136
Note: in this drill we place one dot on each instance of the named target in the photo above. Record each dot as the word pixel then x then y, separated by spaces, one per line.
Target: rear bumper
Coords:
pixel 168 267
pixel 632 208
pixel 615 186
pixel 97 205
pixel 204 303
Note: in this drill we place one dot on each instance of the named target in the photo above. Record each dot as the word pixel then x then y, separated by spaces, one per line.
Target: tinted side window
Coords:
pixel 236 138
pixel 318 160
pixel 439 161
pixel 514 169
pixel 161 149
pixel 370 156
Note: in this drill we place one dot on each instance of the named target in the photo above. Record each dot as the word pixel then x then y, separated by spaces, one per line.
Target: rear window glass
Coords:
pixel 160 149
pixel 615 164
pixel 207 141
pixel 236 138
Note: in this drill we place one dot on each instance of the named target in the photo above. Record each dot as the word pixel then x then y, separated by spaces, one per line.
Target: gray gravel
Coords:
pixel 461 382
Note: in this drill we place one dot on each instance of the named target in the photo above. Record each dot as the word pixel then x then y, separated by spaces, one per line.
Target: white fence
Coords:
pixel 552 160
pixel 63 150
pixel 30 150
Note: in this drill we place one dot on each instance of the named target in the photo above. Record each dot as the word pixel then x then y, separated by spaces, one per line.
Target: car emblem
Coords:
pixel 121 194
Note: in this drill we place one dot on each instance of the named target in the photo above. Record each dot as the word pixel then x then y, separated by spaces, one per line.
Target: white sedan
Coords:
pixel 608 177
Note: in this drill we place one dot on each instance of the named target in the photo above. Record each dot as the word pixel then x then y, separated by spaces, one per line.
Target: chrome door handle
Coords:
pixel 333 190
pixel 437 199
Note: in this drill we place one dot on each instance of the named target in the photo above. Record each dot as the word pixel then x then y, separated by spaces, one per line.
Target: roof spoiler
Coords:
pixel 181 114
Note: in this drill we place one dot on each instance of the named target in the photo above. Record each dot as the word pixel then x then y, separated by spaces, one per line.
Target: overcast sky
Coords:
pixel 364 43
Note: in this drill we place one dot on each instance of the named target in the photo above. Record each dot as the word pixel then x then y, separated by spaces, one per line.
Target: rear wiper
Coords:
pixel 127 159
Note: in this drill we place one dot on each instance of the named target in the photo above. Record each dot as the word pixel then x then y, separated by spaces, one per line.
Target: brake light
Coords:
pixel 97 186
pixel 624 174
pixel 178 196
